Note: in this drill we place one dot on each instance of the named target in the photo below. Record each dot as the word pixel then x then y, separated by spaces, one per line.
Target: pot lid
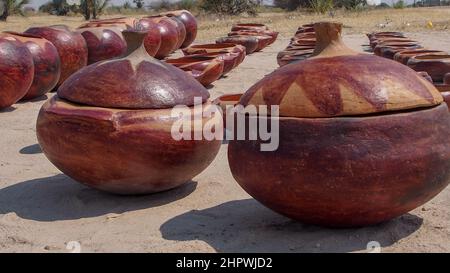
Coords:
pixel 137 81
pixel 338 81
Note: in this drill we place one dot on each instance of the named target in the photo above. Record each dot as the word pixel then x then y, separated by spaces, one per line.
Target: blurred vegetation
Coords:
pixel 12 7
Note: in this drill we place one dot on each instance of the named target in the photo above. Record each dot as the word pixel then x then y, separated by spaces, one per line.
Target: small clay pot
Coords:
pixel 230 59
pixel 224 102
pixel 249 26
pixel 169 32
pixel 103 43
pixel 404 55
pixel 250 43
pixel 16 71
pixel 190 23
pixel 435 65
pixel 47 65
pixel 385 34
pixel 204 69
pixel 71 46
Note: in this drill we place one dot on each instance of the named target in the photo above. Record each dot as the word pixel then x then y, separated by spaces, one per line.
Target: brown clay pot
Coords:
pixel 249 26
pixel 358 145
pixel 404 55
pixel 181 31
pixel 204 69
pixel 272 34
pixel 224 102
pixel 375 42
pixel 388 50
pixel 170 35
pixel 304 29
pixel 230 59
pixel 153 40
pixel 250 43
pixel 47 65
pixel 109 126
pixel 287 57
pixel 435 65
pixel 385 34
pixel 190 23
pixel 124 22
pixel 71 46
pixel 303 42
pixel 16 71
pixel 103 43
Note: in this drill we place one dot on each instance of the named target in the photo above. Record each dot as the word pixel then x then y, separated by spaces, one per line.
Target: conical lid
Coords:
pixel 137 81
pixel 338 81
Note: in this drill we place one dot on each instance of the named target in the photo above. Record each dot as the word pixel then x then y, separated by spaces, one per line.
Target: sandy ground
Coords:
pixel 41 210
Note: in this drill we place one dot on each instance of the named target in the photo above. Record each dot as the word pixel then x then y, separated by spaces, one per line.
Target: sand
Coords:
pixel 42 210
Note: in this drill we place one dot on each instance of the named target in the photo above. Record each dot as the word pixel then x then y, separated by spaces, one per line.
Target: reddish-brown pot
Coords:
pixel 71 46
pixel 204 69
pixel 287 57
pixel 226 104
pixel 375 42
pixel 109 126
pixel 250 43
pixel 272 34
pixel 358 145
pixel 218 48
pixel 153 40
pixel 404 55
pixel 190 23
pixel 249 26
pixel 435 65
pixel 388 50
pixel 16 71
pixel 47 65
pixel 103 43
pixel 230 59
pixel 169 35
pixel 124 22
pixel 181 31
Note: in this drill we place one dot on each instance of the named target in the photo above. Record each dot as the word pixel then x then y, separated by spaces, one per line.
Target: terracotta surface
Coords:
pixel 47 65
pixel 272 34
pixel 125 22
pixel 16 70
pixel 249 26
pixel 204 69
pixel 217 48
pixel 249 42
pixel 435 65
pixel 189 22
pixel 103 43
pixel 225 102
pixel 181 31
pixel 388 50
pixel 230 59
pixel 153 40
pixel 404 55
pixel 169 35
pixel 71 46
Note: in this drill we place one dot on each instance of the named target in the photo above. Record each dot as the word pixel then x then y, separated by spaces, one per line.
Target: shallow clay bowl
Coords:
pixel 435 65
pixel 375 42
pixel 230 59
pixel 238 27
pixel 204 69
pixel 404 55
pixel 250 43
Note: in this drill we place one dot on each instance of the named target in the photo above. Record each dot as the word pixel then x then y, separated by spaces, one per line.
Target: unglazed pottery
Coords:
pixel 226 104
pixel 47 65
pixel 362 139
pixel 250 43
pixel 230 59
pixel 204 69
pixel 435 65
pixel 109 126
pixel 103 43
pixel 388 50
pixel 169 35
pixel 404 55
pixel 153 40
pixel 272 34
pixel 190 23
pixel 217 48
pixel 249 26
pixel 71 46
pixel 16 71
pixel 181 31
pixel 290 56
pixel 123 22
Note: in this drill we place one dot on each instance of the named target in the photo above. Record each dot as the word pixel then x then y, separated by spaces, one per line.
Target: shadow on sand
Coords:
pixel 247 226
pixel 61 198
pixel 31 150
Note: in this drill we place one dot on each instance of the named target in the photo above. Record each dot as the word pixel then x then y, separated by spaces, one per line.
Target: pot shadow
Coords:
pixel 40 98
pixel 210 86
pixel 8 109
pixel 60 198
pixel 247 226
pixel 31 149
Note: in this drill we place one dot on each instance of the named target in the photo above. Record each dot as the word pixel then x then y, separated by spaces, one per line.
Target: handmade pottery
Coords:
pixel 181 31
pixel 375 42
pixel 388 50
pixel 272 34
pixel 217 48
pixel 358 145
pixel 250 43
pixel 109 126
pixel 103 43
pixel 404 55
pixel 170 35
pixel 249 26
pixel 153 40
pixel 230 59
pixel 435 65
pixel 203 68
pixel 123 22
pixel 190 23
pixel 71 46
pixel 16 71
pixel 226 104
pixel 47 65
pixel 287 57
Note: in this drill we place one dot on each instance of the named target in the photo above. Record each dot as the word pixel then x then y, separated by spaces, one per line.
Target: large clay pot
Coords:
pixel 250 43
pixel 358 145
pixel 435 65
pixel 181 31
pixel 169 35
pixel 16 71
pixel 103 43
pixel 404 55
pixel 109 126
pixel 190 23
pixel 47 65
pixel 71 46
pixel 217 48
pixel 204 69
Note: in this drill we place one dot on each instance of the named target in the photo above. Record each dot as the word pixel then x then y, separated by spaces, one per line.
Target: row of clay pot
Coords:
pixel 254 37
pixel 300 47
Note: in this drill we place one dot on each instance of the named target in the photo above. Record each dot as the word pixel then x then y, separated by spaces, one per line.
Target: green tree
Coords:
pixel 9 7
pixel 139 3
pixel 230 7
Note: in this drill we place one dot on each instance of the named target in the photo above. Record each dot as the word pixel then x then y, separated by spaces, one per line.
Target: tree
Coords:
pixel 8 7
pixel 139 3
pixel 230 7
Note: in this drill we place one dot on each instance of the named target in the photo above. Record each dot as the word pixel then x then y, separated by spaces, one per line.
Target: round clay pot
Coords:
pixel 404 55
pixel 358 145
pixel 203 68
pixel 103 43
pixel 249 26
pixel 435 65
pixel 230 59
pixel 47 65
pixel 169 35
pixel 272 34
pixel 190 23
pixel 16 71
pixel 71 46
pixel 181 31
pixel 109 126
pixel 153 40
pixel 250 43
pixel 124 22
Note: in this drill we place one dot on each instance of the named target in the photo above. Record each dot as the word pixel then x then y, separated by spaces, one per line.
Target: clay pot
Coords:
pixel 204 69
pixel 305 29
pixel 217 48
pixel 153 40
pixel 388 50
pixel 124 22
pixel 249 26
pixel 435 65
pixel 385 34
pixel 16 71
pixel 287 57
pixel 303 42
pixel 250 43
pixel 109 126
pixel 224 102
pixel 375 42
pixel 230 59
pixel 71 46
pixel 358 145
pixel 190 23
pixel 169 35
pixel 181 31
pixel 272 34
pixel 103 43
pixel 404 55
pixel 47 65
